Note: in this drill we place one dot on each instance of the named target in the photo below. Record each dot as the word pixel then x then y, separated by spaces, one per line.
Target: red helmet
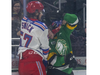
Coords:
pixel 33 6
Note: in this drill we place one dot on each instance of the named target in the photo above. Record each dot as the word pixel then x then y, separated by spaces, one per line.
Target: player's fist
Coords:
pixel 73 63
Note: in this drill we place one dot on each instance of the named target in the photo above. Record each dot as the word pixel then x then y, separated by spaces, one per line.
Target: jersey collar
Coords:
pixel 33 19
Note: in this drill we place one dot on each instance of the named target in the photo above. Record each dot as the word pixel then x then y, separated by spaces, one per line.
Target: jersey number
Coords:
pixel 25 37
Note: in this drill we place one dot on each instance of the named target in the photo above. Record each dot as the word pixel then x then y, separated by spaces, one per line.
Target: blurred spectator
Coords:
pixel 16 10
pixel 16 19
pixel 21 1
pixel 15 29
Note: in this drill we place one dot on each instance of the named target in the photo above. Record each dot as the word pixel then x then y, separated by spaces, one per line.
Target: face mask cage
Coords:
pixel 43 16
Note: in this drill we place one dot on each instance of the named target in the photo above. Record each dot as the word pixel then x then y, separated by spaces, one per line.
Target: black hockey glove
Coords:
pixel 70 59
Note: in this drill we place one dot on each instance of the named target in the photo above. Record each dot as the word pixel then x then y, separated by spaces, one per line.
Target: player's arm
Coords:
pixel 53 59
pixel 70 22
pixel 44 43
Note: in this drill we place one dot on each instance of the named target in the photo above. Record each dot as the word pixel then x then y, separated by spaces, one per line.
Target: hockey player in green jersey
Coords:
pixel 61 58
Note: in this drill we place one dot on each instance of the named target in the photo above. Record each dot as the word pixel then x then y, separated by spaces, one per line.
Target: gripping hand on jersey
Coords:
pixel 70 59
pixel 45 62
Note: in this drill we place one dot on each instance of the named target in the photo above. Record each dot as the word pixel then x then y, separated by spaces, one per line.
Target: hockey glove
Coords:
pixel 70 59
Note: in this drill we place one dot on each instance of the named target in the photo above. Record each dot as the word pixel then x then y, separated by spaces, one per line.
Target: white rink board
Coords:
pixel 76 72
pixel 81 60
pixel 79 72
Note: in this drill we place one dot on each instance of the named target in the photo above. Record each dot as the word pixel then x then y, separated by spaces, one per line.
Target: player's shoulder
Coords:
pixel 40 24
pixel 37 23
pixel 24 18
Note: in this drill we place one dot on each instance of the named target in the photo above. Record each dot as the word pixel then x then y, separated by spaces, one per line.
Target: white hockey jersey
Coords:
pixel 34 35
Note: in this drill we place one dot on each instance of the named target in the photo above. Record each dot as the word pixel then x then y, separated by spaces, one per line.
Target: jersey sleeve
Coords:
pixel 68 29
pixel 71 27
pixel 44 43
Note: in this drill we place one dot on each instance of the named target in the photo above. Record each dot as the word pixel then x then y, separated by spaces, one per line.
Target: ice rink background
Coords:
pixel 76 72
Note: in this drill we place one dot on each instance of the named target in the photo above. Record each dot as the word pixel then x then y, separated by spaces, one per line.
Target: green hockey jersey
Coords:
pixel 61 46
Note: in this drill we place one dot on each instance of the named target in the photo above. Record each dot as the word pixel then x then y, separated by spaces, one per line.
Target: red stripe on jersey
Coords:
pixel 45 51
pixel 39 25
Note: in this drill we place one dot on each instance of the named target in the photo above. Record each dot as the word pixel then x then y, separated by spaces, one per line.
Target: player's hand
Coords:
pixel 45 62
pixel 50 34
pixel 73 63
pixel 64 22
pixel 70 59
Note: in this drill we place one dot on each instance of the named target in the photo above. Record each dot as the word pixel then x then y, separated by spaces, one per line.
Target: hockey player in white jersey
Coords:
pixel 34 43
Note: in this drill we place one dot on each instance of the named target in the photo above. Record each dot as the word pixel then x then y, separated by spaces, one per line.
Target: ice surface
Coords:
pixel 76 72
